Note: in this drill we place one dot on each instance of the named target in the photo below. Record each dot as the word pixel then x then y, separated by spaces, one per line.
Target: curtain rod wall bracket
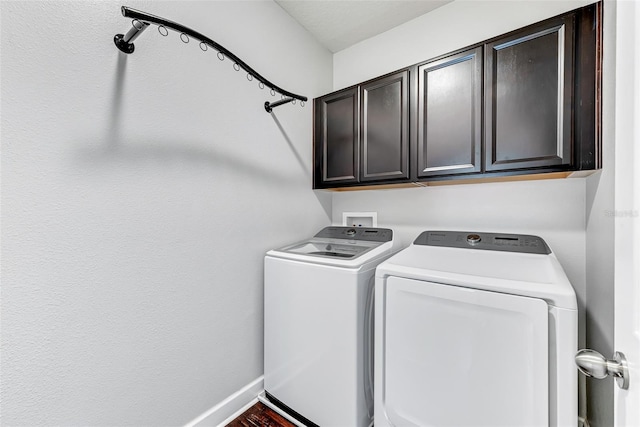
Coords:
pixel 125 42
pixel 141 20
pixel 269 106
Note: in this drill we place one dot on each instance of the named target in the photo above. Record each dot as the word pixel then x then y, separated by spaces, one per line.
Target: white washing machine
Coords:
pixel 318 325
pixel 475 329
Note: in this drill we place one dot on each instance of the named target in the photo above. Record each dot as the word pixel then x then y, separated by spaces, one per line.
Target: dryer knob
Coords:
pixel 473 239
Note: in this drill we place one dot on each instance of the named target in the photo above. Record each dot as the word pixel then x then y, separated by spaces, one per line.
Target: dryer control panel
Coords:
pixel 367 234
pixel 521 243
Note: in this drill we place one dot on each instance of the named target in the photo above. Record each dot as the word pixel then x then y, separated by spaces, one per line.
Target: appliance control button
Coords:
pixel 351 232
pixel 473 239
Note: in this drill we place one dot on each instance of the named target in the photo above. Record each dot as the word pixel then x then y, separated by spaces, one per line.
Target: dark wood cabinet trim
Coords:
pixel 588 88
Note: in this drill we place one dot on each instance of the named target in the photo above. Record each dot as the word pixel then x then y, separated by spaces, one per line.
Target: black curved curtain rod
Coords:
pixel 141 20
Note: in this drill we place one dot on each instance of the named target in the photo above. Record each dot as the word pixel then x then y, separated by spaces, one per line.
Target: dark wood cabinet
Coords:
pixel 523 103
pixel 384 121
pixel 529 97
pixel 361 134
pixel 450 115
pixel 337 138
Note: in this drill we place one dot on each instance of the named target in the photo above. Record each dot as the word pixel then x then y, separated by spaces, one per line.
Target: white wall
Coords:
pixel 448 28
pixel 600 235
pixel 139 194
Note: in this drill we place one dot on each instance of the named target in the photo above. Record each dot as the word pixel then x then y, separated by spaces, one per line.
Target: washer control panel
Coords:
pixel 368 234
pixel 521 243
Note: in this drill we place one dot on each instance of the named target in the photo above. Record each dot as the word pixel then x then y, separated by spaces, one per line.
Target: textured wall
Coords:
pixel 448 28
pixel 139 194
pixel 600 234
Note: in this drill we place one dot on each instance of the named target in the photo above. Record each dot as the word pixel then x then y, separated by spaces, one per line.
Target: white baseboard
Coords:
pixel 232 406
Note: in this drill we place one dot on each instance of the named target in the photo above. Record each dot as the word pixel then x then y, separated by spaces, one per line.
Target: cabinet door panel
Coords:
pixel 337 138
pixel 528 97
pixel 450 115
pixel 385 128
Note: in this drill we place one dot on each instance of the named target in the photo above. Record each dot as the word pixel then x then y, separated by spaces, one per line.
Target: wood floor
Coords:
pixel 260 415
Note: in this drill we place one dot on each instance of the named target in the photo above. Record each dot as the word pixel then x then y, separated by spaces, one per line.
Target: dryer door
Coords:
pixel 455 356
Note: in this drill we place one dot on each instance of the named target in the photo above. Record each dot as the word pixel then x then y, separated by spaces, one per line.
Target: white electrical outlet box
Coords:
pixel 360 219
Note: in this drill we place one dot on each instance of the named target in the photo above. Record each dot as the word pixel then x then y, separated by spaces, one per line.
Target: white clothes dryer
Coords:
pixel 318 325
pixel 475 329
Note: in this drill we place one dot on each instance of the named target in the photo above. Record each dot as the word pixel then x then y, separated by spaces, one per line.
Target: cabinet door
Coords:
pixel 385 128
pixel 450 115
pixel 528 97
pixel 336 138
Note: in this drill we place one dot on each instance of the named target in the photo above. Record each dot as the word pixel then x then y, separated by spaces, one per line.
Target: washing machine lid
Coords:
pixel 507 263
pixel 328 249
pixel 341 246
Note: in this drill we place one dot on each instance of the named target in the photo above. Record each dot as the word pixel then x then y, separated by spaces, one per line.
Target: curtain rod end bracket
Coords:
pixel 269 106
pixel 125 47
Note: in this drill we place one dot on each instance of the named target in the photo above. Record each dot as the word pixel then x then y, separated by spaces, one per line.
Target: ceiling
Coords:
pixel 338 24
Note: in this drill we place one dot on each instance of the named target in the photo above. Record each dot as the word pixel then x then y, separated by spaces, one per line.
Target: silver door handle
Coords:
pixel 593 364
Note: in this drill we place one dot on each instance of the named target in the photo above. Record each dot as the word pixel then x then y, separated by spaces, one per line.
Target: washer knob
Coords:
pixel 351 232
pixel 473 239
